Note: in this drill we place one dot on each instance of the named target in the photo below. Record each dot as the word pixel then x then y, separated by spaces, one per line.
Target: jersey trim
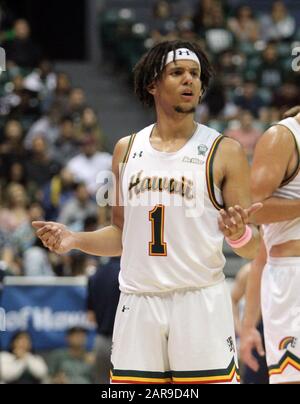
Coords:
pixel 209 173
pixel 208 376
pixel 288 359
pixel 139 377
pixel 297 169
pixel 175 377
pixel 129 147
pixel 127 154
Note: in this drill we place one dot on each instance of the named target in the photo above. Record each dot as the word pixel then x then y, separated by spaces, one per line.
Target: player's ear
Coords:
pixel 152 88
pixel 202 92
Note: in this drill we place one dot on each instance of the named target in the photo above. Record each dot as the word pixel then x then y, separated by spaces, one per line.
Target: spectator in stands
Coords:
pixel 42 80
pixel 20 365
pixel 74 364
pixel 78 208
pixel 185 28
pixel 11 147
pixel 7 266
pixel 36 261
pixel 280 25
pixel 61 92
pixel 216 109
pixel 16 100
pixel 86 166
pixel 40 167
pixel 203 17
pixel 102 301
pixel 67 145
pixel 57 192
pixel 47 126
pixel 76 104
pixel 218 36
pixel 250 99
pixel 229 65
pixel 270 72
pixel 244 26
pixel 78 264
pixel 163 25
pixel 24 237
pixel 22 51
pixel 14 213
pixel 268 116
pixel 90 124
pixel 17 174
pixel 286 96
pixel 245 132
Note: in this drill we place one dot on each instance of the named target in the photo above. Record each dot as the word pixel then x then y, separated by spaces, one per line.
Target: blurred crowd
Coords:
pixel 249 45
pixel 51 150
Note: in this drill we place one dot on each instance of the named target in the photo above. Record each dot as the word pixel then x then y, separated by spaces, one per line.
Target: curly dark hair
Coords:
pixel 150 67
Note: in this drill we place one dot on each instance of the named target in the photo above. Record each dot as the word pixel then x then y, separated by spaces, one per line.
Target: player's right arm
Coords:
pixel 250 336
pixel 272 158
pixel 106 242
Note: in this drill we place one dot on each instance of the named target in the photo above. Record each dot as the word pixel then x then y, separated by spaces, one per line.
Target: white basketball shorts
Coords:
pixel 280 297
pixel 180 337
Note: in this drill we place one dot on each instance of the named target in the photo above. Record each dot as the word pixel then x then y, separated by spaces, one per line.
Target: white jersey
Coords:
pixel 171 239
pixel 282 232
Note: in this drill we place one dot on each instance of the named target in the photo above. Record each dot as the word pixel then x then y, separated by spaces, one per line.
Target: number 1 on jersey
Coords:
pixel 158 248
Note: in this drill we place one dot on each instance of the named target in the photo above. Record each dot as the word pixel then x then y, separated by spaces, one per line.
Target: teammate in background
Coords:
pixel 238 293
pixel 174 321
pixel 276 181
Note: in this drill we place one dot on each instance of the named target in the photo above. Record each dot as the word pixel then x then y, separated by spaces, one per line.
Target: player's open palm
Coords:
pixel 55 236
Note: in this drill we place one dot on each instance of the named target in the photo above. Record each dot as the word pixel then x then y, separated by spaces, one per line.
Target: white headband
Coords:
pixel 182 54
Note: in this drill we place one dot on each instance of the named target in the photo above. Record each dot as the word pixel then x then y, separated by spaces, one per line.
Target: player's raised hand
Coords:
pixel 55 236
pixel 233 221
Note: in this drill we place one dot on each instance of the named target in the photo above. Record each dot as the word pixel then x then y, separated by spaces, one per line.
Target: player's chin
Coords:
pixel 185 108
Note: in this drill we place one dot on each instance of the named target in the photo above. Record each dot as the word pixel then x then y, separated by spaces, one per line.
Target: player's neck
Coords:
pixel 168 128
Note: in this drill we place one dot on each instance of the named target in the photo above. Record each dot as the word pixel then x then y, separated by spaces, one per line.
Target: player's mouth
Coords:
pixel 187 95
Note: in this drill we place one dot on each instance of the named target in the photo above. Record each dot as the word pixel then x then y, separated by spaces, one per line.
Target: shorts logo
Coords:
pixel 125 309
pixel 288 342
pixel 231 344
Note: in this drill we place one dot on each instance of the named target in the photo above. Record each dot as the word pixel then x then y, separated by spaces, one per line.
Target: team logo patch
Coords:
pixel 202 150
pixel 288 342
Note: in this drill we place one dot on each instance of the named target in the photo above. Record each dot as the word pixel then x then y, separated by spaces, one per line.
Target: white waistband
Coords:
pixel 284 261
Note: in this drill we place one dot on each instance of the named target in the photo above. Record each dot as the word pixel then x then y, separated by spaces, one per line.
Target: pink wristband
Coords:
pixel 241 242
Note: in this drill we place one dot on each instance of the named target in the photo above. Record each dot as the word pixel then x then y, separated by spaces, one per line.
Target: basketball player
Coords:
pixel 276 181
pixel 174 322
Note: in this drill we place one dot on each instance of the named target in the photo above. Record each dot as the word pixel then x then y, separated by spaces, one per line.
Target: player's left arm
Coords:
pixel 235 218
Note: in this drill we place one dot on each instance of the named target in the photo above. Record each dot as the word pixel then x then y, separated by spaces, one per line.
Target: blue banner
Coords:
pixel 46 309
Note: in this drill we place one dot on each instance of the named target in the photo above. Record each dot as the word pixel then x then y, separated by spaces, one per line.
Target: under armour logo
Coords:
pixel 140 155
pixel 182 52
pixel 125 309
